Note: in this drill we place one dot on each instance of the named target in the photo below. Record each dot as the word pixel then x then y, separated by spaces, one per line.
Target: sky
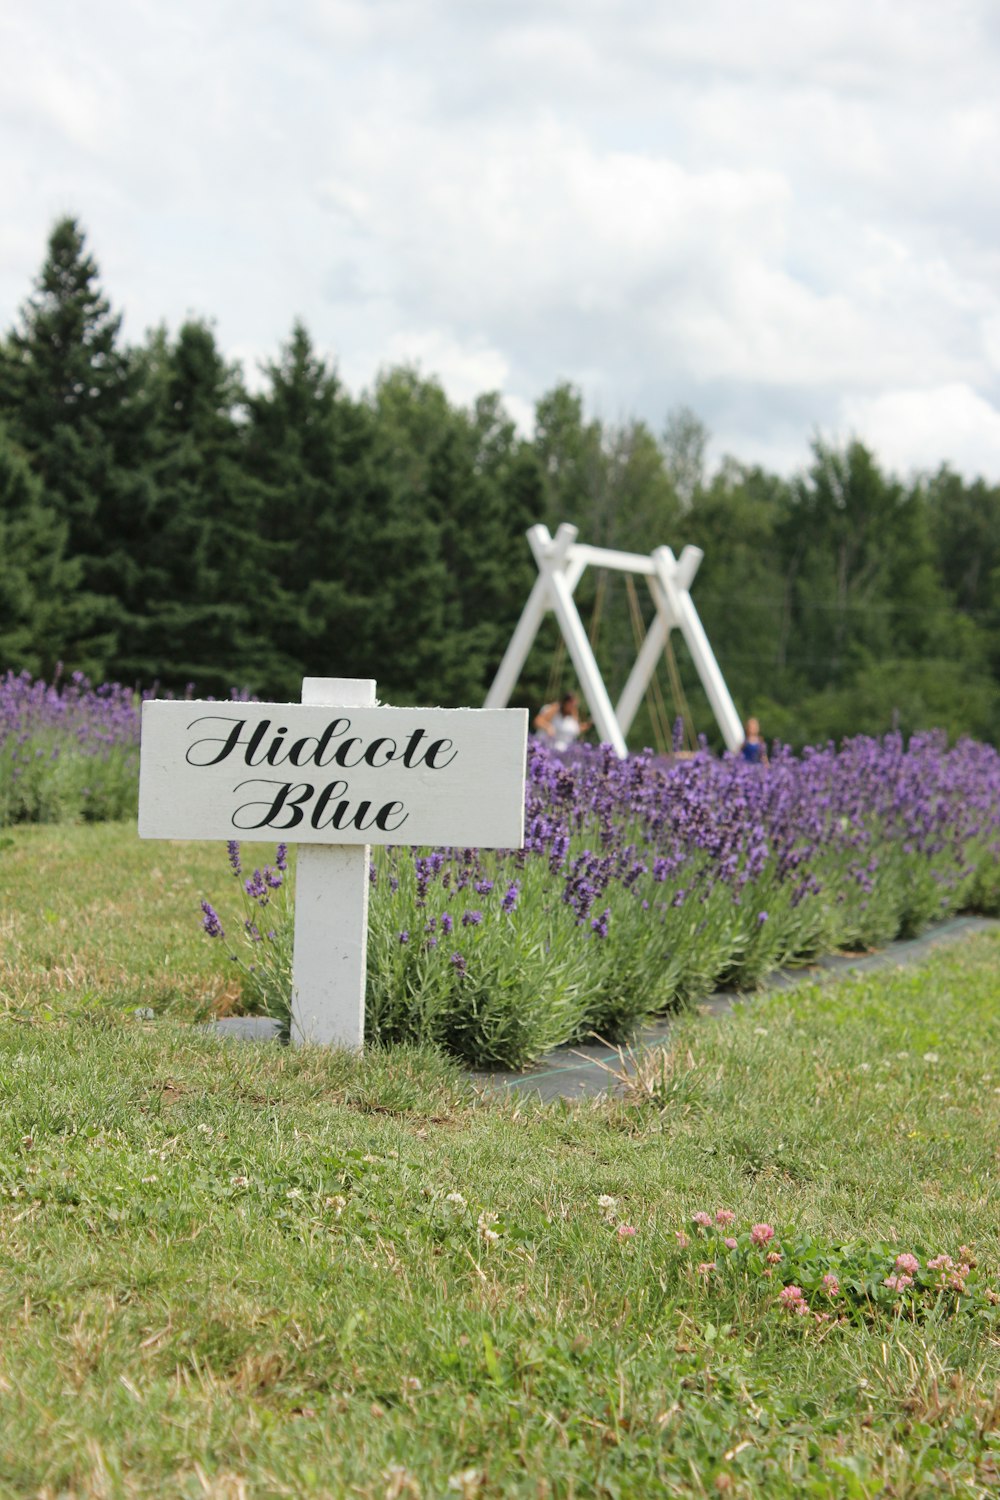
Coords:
pixel 783 216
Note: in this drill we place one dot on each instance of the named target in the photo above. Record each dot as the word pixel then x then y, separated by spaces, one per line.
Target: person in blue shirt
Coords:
pixel 754 750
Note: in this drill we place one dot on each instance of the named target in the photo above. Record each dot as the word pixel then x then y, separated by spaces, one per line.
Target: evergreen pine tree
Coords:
pixel 65 388
pixel 309 446
pixel 211 578
pixel 464 489
pixel 39 597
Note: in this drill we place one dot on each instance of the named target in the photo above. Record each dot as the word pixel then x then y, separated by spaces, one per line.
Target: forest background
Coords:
pixel 163 524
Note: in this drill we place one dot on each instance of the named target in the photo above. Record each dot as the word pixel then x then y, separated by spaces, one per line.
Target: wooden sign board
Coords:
pixel 303 774
pixel 336 774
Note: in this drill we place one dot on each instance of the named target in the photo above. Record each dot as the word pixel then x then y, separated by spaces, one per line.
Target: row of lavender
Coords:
pixel 67 750
pixel 644 883
pixel 641 883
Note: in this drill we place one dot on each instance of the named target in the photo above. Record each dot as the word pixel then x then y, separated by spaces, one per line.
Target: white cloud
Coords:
pixel 786 217
pixel 466 370
pixel 914 429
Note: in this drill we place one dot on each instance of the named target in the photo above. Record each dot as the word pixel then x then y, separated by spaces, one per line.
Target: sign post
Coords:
pixel 330 954
pixel 335 774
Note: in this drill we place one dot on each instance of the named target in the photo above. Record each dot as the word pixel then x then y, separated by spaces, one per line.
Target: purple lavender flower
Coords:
pixel 210 921
pixel 510 898
pixel 599 925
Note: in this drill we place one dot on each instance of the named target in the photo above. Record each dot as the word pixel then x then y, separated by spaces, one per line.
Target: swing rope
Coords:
pixel 598 610
pixel 663 729
pixel 654 697
pixel 687 720
pixel 555 671
pixel 558 661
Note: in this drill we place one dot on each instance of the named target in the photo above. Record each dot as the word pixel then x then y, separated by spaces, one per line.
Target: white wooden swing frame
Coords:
pixel 562 561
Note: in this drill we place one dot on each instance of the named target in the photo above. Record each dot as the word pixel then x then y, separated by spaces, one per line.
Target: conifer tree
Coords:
pixel 210 580
pixel 309 447
pixel 39 595
pixel 65 395
pixel 463 487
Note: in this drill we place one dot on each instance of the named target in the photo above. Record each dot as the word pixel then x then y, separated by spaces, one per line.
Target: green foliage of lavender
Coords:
pixel 646 883
pixel 264 957
pixel 68 751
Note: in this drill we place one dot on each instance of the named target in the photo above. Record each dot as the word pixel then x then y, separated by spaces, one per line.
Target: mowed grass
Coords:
pixel 237 1270
pixel 93 917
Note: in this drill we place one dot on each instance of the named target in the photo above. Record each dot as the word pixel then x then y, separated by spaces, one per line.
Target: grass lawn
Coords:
pixel 233 1271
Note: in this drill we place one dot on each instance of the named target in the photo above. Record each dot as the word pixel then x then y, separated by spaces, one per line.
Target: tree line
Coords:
pixel 162 523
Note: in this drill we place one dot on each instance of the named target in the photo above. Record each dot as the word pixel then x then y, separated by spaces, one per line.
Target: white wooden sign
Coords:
pixel 331 776
pixel 334 773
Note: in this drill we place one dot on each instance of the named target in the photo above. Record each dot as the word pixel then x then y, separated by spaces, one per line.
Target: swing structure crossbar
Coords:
pixel 561 562
pixel 618 562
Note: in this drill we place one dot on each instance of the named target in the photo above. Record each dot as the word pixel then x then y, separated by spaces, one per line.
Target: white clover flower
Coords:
pixel 400 1483
pixel 606 1202
pixel 455 1198
pixel 337 1203
pixel 486 1233
pixel 468 1483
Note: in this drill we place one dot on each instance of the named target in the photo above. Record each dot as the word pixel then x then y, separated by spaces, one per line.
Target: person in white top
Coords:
pixel 559 724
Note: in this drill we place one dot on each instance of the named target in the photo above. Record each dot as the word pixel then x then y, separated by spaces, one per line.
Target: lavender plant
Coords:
pixel 643 883
pixel 70 751
pixel 67 750
pixel 262 952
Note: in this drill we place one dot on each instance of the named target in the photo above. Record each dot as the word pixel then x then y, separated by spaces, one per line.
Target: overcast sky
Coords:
pixel 784 215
